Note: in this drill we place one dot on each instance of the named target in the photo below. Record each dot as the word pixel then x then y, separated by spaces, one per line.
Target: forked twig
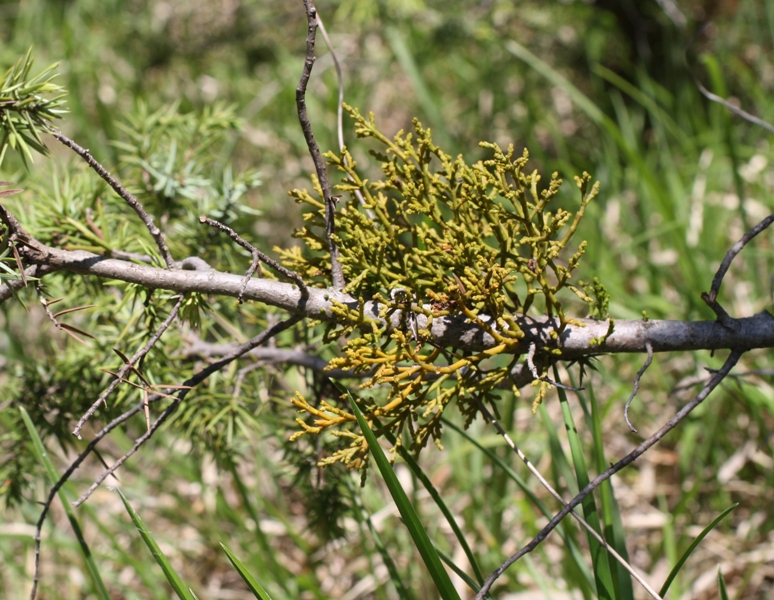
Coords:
pixel 258 256
pixel 128 197
pixel 490 417
pixel 732 359
pixel 337 274
pixel 192 382
pixel 70 330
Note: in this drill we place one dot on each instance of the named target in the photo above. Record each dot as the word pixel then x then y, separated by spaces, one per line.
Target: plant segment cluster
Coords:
pixel 437 237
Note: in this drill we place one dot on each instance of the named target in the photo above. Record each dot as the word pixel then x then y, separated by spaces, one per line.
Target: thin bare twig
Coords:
pixel 257 257
pixel 640 373
pixel 730 255
pixel 129 198
pixel 339 78
pixel 129 366
pixel 732 359
pixel 490 417
pixel 337 274
pixel 258 340
pixel 722 101
pixel 189 384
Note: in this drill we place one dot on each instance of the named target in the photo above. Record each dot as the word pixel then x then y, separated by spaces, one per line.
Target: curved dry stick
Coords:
pixel 337 274
pixel 732 359
pixel 731 255
pixel 714 97
pixel 128 197
pixel 640 373
pixel 340 79
pixel 544 378
pixel 189 384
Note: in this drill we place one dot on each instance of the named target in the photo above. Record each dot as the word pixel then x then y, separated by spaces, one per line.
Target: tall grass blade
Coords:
pixel 611 515
pixel 425 480
pixel 676 569
pixel 246 576
pixel 42 456
pixel 460 573
pixel 722 591
pixel 362 517
pixel 182 591
pixel 418 534
pixel 575 554
pixel 599 556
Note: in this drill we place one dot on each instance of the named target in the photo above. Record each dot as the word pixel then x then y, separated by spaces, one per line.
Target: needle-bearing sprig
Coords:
pixel 437 237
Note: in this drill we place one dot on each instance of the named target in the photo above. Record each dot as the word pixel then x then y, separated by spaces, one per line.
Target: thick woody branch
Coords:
pixel 457 332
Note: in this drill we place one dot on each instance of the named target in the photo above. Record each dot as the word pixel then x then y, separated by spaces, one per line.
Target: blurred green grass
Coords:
pixel 681 179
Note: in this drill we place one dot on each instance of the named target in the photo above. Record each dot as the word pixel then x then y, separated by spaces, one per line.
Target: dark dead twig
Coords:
pixel 119 189
pixel 337 274
pixel 732 359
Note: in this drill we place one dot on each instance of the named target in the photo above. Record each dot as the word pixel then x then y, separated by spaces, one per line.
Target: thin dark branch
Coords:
pixel 731 254
pixel 257 257
pixel 192 382
pixel 512 445
pixel 272 356
pixel 186 387
pixel 337 273
pixel 732 359
pixel 155 232
pixel 640 373
pixel 254 266
pixel 129 366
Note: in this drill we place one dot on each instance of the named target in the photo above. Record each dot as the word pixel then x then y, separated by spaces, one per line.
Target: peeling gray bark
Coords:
pixel 458 332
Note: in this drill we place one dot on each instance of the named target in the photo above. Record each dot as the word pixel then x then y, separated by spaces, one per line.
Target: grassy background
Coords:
pixel 584 87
